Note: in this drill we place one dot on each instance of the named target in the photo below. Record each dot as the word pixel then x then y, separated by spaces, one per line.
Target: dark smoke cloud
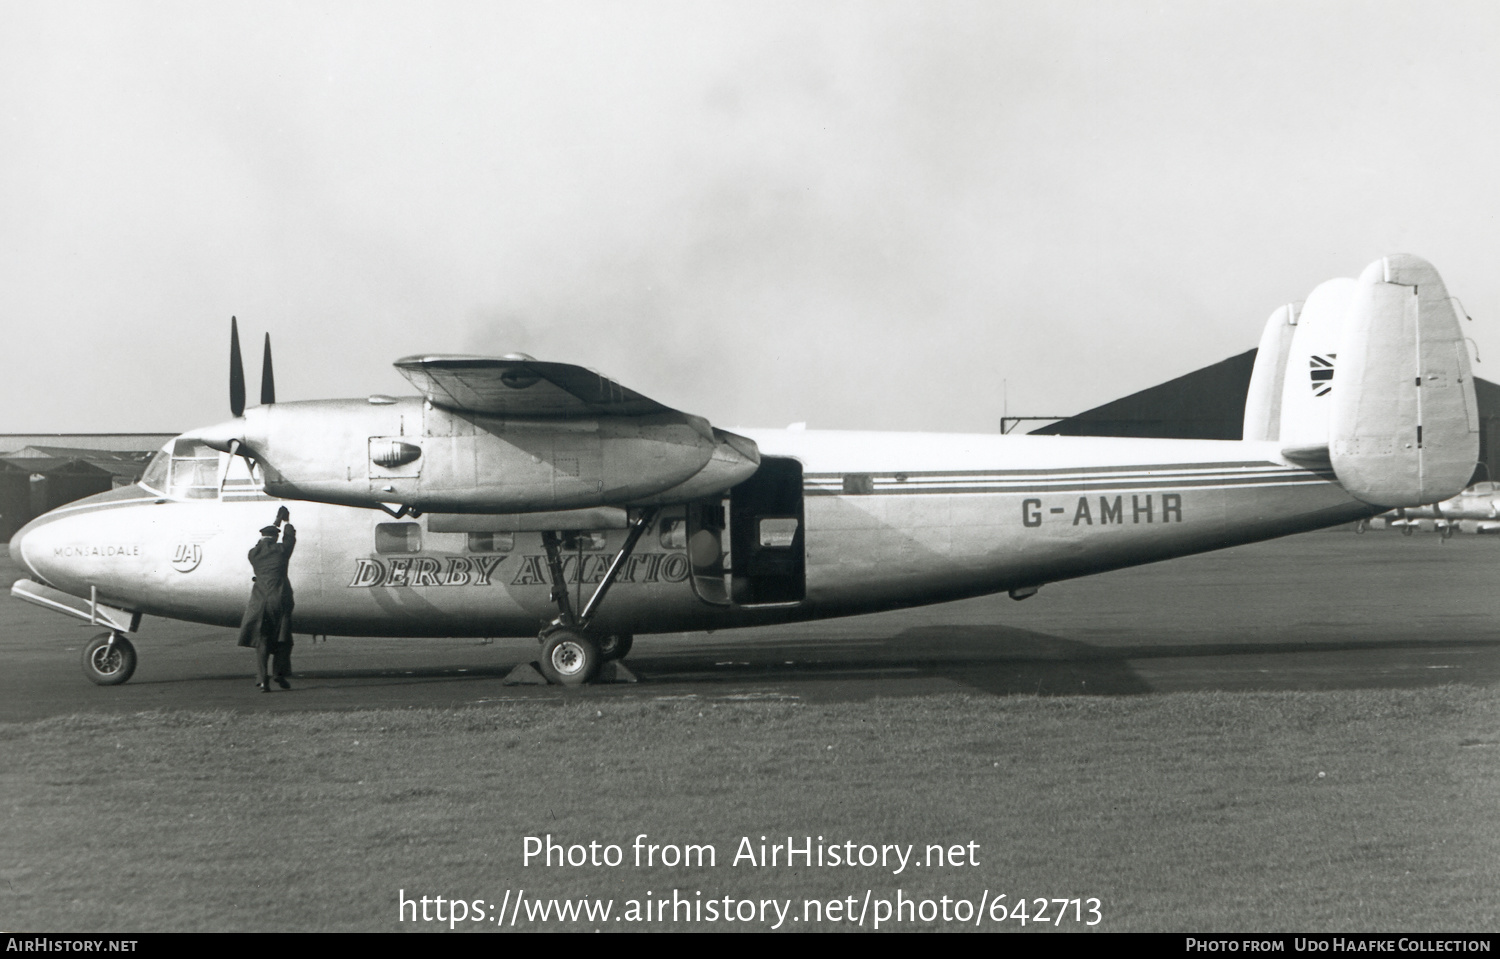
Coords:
pixel 859 215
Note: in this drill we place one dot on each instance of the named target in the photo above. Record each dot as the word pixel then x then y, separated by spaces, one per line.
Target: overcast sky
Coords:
pixel 859 215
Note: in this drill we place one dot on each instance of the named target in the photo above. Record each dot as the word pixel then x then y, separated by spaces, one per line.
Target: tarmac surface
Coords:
pixel 1330 610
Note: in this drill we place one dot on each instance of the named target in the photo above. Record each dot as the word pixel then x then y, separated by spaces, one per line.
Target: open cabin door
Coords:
pixel 767 558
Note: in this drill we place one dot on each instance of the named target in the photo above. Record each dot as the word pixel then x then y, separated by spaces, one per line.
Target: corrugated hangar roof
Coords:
pixel 1209 404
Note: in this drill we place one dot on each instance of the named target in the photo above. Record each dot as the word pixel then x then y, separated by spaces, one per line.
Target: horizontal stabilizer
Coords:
pixel 1403 423
pixel 1315 458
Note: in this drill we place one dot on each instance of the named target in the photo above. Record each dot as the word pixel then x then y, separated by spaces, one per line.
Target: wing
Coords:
pixel 521 386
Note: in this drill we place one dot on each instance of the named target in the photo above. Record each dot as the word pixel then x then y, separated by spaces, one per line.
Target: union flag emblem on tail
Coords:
pixel 1322 373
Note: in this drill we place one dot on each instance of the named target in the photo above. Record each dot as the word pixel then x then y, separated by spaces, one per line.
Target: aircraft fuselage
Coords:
pixel 860 522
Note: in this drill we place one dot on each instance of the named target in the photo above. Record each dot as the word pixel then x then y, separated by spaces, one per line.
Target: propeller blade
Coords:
pixel 236 371
pixel 267 381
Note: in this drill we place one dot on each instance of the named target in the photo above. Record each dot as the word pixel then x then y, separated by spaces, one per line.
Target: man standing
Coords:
pixel 267 624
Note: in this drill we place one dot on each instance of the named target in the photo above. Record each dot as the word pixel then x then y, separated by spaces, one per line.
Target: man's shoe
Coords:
pixel 281 681
pixel 263 687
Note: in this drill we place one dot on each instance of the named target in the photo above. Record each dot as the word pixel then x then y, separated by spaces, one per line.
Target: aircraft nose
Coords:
pixel 18 546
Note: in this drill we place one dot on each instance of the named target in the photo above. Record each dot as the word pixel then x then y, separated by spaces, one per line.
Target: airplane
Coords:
pixel 516 497
pixel 1475 510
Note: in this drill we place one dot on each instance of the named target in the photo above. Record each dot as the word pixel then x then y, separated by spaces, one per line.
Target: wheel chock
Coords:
pixel 526 674
pixel 615 671
pixel 530 674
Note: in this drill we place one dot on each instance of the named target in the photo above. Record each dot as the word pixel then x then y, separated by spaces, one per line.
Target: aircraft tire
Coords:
pixel 615 646
pixel 108 666
pixel 570 658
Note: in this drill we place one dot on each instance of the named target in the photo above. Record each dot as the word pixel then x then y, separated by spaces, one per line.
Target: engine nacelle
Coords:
pixel 409 452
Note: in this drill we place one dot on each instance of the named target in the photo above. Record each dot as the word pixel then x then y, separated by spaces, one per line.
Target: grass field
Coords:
pixel 1299 811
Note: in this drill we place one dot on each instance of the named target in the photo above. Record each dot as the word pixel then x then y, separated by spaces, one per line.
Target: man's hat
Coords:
pixel 270 531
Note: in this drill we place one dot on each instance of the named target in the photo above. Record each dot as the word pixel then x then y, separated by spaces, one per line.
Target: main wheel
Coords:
pixel 615 646
pixel 569 658
pixel 106 663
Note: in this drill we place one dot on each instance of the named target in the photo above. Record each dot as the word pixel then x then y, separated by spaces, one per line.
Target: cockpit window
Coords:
pixel 195 471
pixel 155 477
pixel 187 469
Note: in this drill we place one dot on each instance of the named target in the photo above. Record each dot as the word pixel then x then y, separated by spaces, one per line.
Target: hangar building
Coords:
pixel 42 471
pixel 1209 404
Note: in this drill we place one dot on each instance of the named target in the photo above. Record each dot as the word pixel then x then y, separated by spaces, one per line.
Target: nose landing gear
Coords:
pixel 109 659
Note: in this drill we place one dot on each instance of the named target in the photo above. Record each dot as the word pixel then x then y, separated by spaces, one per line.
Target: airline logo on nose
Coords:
pixel 187 557
pixel 1322 373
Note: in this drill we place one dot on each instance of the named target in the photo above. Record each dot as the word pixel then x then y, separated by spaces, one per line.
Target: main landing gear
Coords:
pixel 571 652
pixel 615 646
pixel 109 659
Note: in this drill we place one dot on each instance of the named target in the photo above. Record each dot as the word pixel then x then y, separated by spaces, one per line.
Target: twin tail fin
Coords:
pixel 1370 379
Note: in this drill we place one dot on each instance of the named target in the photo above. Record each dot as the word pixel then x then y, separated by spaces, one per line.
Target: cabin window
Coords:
pixel 778 532
pixel 491 542
pixel 398 538
pixel 859 483
pixel 674 533
pixel 588 542
pixel 195 471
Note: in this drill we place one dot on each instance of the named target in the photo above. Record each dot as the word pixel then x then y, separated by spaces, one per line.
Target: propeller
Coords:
pixel 267 380
pixel 237 373
pixel 237 382
pixel 237 370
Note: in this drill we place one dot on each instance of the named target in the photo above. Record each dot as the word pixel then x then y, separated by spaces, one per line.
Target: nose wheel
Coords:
pixel 109 659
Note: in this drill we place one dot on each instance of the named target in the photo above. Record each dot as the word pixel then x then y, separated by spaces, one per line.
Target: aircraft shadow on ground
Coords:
pixel 998 660
pixel 1007 661
pixel 994 659
pixel 403 676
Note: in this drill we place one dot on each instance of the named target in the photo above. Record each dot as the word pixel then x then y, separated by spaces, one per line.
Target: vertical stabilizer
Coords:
pixel 1404 429
pixel 1263 400
pixel 1310 383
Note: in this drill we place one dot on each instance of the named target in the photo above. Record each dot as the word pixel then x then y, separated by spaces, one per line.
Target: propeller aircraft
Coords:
pixel 1475 510
pixel 518 497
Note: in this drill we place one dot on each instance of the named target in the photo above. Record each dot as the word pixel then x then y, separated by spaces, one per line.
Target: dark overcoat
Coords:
pixel 268 614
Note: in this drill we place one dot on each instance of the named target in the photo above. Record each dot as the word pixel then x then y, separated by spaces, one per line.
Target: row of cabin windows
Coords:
pixel 407 537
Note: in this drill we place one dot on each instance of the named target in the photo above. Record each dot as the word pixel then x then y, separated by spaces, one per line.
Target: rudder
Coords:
pixel 1309 384
pixel 1263 398
pixel 1403 427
